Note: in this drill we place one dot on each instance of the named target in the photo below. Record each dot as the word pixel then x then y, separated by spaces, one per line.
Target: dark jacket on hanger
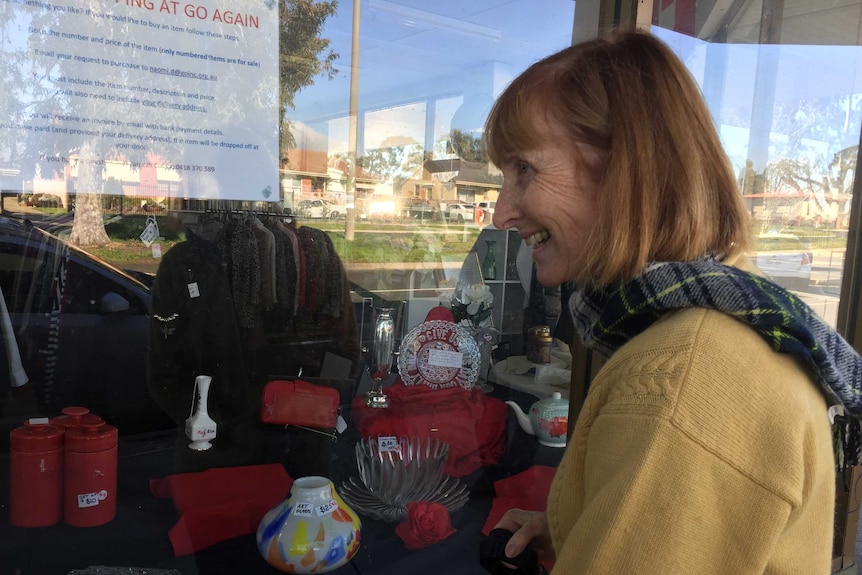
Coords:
pixel 193 331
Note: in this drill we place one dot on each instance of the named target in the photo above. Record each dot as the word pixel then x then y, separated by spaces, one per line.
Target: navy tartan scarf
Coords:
pixel 607 319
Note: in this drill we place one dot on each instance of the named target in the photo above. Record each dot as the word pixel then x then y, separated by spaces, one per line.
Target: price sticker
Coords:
pixel 326 508
pixel 388 443
pixel 444 358
pixel 87 500
pixel 304 510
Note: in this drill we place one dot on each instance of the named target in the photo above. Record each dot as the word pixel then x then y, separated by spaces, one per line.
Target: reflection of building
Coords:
pixel 309 174
pixel 56 177
pixel 798 208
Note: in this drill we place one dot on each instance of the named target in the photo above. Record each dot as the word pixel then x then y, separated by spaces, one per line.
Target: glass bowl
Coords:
pixel 409 469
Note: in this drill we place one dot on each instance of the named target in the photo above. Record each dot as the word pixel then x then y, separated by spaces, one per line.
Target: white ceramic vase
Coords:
pixel 310 531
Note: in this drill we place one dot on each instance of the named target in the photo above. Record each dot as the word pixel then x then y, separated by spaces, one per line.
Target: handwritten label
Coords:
pixel 150 233
pixel 304 510
pixel 388 443
pixel 88 500
pixel 443 358
pixel 326 508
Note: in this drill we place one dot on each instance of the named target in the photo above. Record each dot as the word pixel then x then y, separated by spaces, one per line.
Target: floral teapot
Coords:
pixel 548 419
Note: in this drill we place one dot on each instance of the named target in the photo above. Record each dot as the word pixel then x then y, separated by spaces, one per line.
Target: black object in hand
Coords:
pixel 492 556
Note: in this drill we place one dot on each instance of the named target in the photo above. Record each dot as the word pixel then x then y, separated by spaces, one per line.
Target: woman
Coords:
pixel 704 444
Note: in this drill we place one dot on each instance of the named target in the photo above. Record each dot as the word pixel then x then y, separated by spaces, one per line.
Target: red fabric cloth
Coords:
pixel 470 422
pixel 221 503
pixel 527 490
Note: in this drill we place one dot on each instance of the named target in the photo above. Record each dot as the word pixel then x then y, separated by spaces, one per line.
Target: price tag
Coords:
pixel 443 358
pixel 193 290
pixel 340 424
pixel 388 443
pixel 88 500
pixel 150 233
pixel 326 508
pixel 304 510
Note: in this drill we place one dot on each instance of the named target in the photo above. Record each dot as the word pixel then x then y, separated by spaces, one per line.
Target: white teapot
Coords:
pixel 548 419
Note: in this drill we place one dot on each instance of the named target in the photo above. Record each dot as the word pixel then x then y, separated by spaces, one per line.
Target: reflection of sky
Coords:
pixel 414 53
pixel 414 50
pixel 729 73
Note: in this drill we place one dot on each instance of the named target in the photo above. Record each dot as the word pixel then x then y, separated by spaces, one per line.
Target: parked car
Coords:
pixel 421 211
pixel 81 329
pixel 318 208
pixel 784 259
pixel 460 212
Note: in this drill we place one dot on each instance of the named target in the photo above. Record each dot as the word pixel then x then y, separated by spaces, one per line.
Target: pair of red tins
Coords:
pixel 63 468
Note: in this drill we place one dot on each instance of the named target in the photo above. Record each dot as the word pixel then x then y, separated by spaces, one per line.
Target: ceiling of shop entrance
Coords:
pixel 824 22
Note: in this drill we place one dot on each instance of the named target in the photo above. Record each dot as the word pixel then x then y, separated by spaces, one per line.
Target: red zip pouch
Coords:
pixel 298 402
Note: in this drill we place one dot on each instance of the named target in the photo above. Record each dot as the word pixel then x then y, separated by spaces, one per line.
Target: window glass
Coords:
pixel 206 210
pixel 785 94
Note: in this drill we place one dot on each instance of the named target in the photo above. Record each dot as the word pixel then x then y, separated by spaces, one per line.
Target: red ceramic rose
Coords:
pixel 426 524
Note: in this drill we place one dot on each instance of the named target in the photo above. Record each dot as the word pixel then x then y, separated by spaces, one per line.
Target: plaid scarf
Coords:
pixel 607 319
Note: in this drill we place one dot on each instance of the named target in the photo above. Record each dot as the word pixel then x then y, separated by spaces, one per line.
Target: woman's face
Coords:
pixel 549 198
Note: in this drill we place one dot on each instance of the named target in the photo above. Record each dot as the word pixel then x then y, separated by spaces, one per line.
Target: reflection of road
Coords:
pixel 822 294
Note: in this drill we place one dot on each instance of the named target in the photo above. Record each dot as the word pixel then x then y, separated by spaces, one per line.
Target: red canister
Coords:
pixel 90 489
pixel 36 474
pixel 75 416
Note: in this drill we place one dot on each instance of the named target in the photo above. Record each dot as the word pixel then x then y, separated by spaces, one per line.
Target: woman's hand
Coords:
pixel 529 528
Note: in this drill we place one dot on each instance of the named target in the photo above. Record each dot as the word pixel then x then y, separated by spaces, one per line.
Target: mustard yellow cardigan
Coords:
pixel 700 451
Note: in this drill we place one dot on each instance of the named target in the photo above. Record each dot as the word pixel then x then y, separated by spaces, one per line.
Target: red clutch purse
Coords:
pixel 297 402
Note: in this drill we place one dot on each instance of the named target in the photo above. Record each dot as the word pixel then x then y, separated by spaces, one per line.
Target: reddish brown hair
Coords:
pixel 666 189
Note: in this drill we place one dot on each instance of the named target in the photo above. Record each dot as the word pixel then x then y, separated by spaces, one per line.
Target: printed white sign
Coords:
pixel 443 358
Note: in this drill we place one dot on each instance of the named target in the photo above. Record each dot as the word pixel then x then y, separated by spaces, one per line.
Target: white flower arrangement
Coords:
pixel 471 305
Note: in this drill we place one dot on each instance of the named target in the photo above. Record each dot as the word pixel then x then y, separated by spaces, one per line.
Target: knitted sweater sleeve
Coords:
pixel 657 503
pixel 699 450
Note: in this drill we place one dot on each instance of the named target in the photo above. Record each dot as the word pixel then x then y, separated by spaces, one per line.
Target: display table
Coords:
pixel 527 383
pixel 138 535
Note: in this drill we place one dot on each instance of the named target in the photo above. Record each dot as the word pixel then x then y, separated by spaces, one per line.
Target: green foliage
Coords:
pixel 130 228
pixel 396 162
pixel 467 146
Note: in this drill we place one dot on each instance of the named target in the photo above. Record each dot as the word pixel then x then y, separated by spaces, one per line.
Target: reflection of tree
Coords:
pixel 814 141
pixel 467 146
pixel 394 162
pixel 794 190
pixel 303 55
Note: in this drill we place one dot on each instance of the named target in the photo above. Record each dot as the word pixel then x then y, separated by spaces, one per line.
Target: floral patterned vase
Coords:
pixel 311 531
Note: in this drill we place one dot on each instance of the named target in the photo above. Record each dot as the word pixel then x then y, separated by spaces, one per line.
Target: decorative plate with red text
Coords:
pixel 439 354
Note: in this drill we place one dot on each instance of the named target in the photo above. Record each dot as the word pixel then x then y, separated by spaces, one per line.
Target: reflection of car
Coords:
pixel 460 212
pixel 318 208
pixel 784 259
pixel 420 211
pixel 81 328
